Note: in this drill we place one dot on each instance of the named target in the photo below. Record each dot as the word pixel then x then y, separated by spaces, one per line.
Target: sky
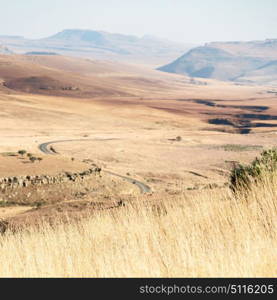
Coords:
pixel 185 21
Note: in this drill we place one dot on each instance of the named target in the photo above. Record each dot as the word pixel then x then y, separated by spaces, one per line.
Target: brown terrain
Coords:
pixel 164 130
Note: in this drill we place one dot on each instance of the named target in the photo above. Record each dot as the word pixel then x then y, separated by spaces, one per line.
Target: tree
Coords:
pixel 39 159
pixel 22 152
pixel 32 159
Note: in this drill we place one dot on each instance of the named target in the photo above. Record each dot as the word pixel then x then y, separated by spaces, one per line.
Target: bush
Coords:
pixel 22 152
pixel 242 176
pixel 32 159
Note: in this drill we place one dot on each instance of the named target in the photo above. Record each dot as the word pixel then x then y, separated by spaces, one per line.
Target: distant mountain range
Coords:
pixel 253 62
pixel 100 45
pixel 242 62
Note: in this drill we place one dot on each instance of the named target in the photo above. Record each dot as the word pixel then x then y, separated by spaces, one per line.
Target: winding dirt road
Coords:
pixel 51 151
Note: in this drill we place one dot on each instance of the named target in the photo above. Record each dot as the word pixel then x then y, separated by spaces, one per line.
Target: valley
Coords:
pixel 138 139
pixel 157 132
pixel 108 154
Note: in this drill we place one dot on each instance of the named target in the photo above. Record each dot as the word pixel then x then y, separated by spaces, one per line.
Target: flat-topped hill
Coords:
pixel 243 62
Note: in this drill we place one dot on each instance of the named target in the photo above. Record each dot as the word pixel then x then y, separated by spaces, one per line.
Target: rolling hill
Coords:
pixel 49 75
pixel 244 62
pixel 58 75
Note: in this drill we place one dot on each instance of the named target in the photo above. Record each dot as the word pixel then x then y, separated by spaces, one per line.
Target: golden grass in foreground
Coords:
pixel 211 235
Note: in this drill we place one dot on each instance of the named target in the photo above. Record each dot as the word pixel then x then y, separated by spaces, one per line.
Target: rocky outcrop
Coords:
pixel 15 182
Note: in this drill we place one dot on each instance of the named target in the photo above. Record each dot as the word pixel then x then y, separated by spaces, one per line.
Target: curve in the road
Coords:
pixel 51 151
pixel 44 147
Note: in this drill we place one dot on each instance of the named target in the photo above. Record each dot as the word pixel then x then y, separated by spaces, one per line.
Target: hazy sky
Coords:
pixel 180 20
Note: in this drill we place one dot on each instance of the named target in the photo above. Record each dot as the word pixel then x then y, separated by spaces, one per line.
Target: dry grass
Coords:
pixel 94 187
pixel 211 234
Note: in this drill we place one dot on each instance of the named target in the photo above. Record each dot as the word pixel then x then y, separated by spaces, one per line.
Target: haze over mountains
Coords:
pixel 253 62
pixel 101 45
pixel 242 62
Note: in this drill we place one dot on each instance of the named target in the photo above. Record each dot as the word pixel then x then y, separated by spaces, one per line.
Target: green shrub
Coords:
pixel 22 152
pixel 32 159
pixel 242 175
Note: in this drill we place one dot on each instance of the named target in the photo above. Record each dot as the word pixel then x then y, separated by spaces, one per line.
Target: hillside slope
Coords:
pixel 266 48
pixel 266 74
pixel 28 74
pixel 58 75
pixel 251 62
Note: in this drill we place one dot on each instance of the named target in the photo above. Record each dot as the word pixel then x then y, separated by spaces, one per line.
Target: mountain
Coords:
pixel 101 45
pixel 244 62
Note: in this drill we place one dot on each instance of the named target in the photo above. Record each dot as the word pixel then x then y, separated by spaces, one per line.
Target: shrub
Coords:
pixel 242 176
pixel 33 159
pixel 22 152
